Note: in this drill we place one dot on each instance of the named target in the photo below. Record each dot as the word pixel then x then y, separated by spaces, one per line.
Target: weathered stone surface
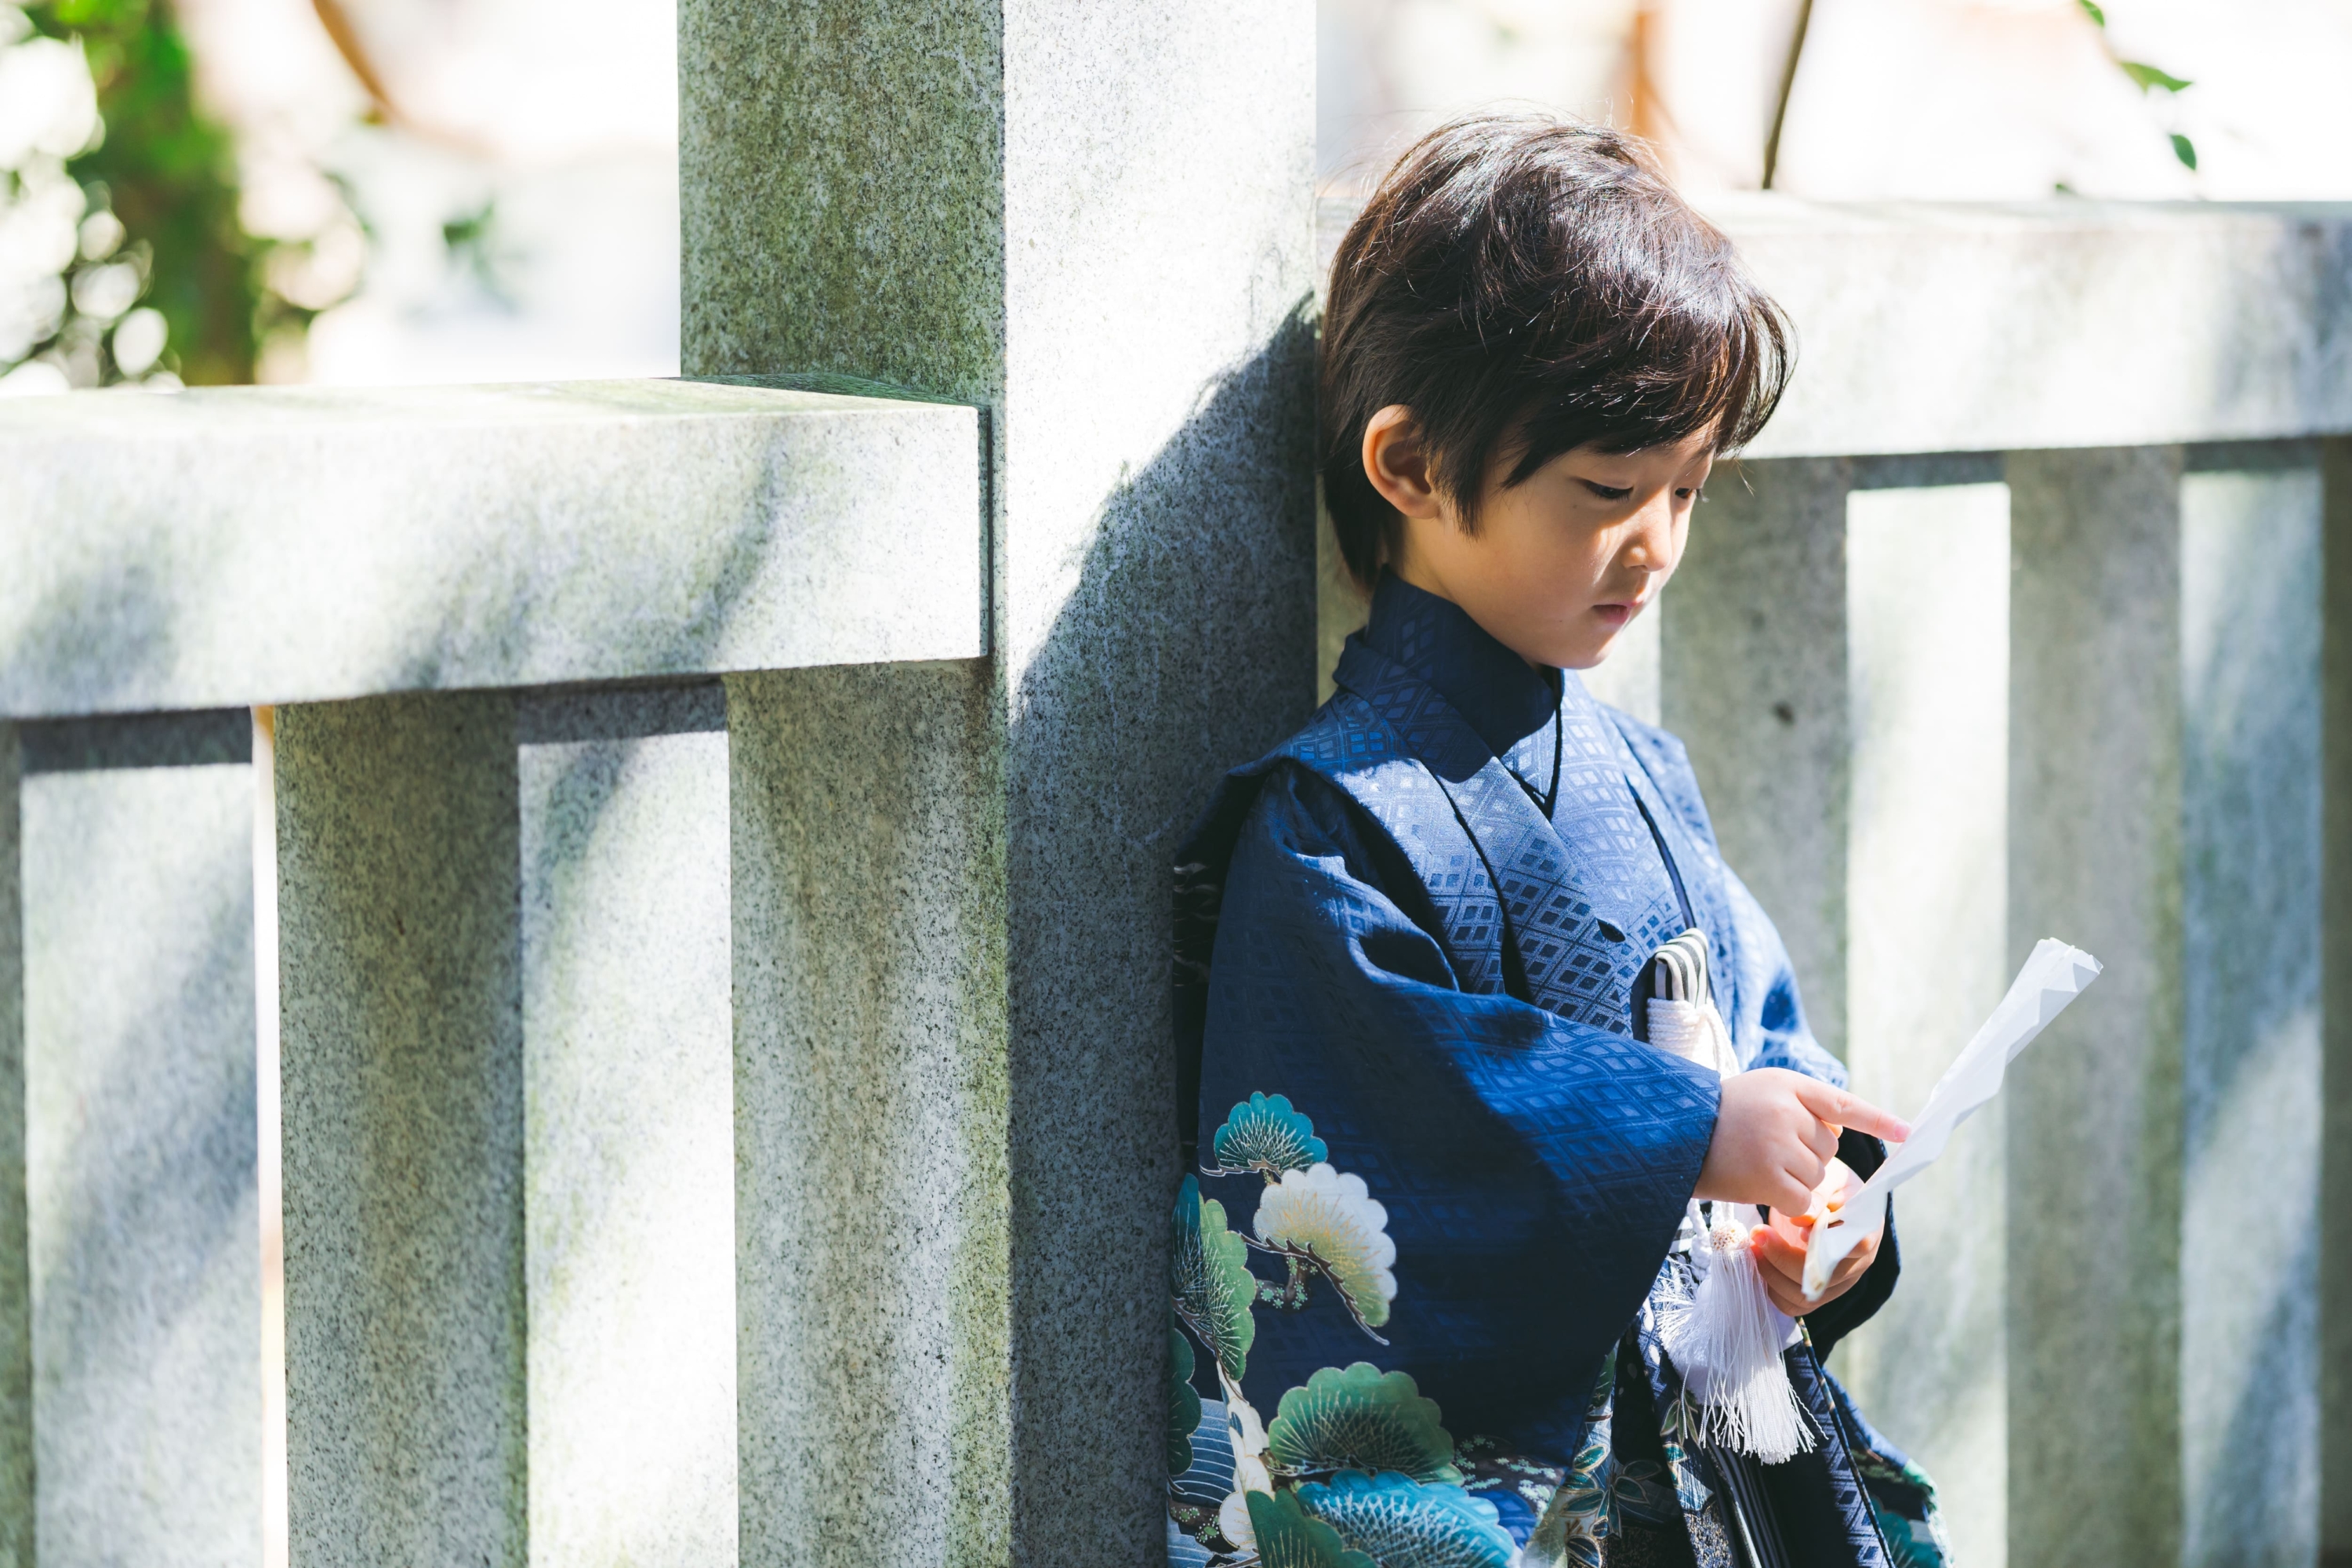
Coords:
pixel 1754 680
pixel 2336 981
pixel 1928 956
pixel 1931 329
pixel 2252 1090
pixel 2094 1109
pixel 629 1111
pixel 16 1281
pixel 247 545
pixel 401 1013
pixel 2068 323
pixel 140 1164
pixel 1095 222
pixel 873 1214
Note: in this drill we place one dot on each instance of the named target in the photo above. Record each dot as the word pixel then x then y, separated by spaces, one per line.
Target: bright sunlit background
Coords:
pixel 371 191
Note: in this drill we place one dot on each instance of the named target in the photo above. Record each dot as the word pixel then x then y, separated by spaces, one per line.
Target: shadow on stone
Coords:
pixel 1187 648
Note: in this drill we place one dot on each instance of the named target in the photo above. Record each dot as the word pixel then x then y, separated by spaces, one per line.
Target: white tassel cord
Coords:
pixel 1726 1336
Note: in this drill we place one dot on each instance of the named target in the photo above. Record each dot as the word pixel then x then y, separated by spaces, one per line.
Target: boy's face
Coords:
pixel 1563 562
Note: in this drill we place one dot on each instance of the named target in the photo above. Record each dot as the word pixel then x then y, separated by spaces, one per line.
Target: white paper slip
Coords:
pixel 2054 975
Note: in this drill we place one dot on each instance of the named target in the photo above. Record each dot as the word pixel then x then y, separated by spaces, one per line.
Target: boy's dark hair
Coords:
pixel 1526 286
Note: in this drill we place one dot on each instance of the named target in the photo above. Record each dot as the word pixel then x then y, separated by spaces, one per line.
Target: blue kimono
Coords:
pixel 1440 1174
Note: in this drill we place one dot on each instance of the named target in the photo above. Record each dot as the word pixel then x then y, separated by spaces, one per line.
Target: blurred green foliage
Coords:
pixel 169 172
pixel 2147 78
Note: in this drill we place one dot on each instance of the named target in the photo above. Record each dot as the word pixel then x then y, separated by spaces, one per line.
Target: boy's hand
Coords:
pixel 1776 1133
pixel 1779 1248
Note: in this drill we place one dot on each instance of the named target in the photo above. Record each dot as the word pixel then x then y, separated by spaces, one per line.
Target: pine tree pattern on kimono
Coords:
pixel 1437 1178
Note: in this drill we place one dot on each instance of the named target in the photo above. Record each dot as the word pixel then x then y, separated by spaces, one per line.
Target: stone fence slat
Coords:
pixel 401 1013
pixel 220 548
pixel 16 1482
pixel 1983 328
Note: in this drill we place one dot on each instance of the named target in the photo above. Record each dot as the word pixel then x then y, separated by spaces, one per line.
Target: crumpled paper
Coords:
pixel 2054 975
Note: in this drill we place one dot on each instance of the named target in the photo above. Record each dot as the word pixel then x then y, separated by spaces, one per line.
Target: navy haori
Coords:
pixel 1439 1177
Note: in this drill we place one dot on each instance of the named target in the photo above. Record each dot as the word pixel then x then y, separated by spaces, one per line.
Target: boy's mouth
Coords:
pixel 1617 612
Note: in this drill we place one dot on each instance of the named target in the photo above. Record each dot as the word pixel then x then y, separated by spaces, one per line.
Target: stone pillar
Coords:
pixel 401 1012
pixel 2094 1109
pixel 1753 678
pixel 2336 968
pixel 2251 1075
pixel 140 1126
pixel 951 882
pixel 1927 957
pixel 15 1269
pixel 873 1207
pixel 629 1111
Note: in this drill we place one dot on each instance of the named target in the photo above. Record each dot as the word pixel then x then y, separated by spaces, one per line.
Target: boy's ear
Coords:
pixel 1397 463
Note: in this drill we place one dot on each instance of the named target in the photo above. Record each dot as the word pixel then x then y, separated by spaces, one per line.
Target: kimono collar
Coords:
pixel 1498 693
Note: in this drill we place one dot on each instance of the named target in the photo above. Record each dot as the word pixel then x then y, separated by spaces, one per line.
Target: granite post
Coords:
pixel 140 1135
pixel 401 1012
pixel 16 1264
pixel 1753 677
pixel 2251 1076
pixel 2094 1109
pixel 2335 1009
pixel 952 881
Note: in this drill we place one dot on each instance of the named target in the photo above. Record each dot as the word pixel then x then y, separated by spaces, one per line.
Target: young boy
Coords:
pixel 1443 1178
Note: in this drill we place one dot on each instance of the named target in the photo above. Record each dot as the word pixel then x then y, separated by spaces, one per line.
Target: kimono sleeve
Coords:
pixel 1533 1171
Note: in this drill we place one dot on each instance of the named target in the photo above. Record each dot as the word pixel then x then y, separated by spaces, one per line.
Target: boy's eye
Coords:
pixel 1608 492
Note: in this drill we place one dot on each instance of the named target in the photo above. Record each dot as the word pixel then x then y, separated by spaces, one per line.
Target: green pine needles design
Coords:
pixel 1360 1419
pixel 1392 1519
pixel 1265 1134
pixel 1289 1537
pixel 1210 1276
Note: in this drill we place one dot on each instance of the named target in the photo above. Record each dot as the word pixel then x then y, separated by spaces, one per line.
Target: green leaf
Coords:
pixel 170 170
pixel 2185 150
pixel 2148 76
pixel 1210 1276
pixel 1360 1419
pixel 2097 16
pixel 1265 1134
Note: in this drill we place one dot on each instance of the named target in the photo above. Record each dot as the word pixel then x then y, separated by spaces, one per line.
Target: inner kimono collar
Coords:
pixel 1498 694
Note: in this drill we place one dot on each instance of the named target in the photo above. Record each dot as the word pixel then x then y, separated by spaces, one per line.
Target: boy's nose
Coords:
pixel 1652 547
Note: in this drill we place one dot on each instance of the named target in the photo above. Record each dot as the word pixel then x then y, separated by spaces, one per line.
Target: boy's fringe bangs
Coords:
pixel 1527 286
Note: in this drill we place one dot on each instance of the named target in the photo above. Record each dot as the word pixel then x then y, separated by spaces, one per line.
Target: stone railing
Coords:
pixel 2026 618
pixel 664 886
pixel 491 840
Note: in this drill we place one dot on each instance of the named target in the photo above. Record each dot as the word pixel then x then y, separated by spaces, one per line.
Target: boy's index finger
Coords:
pixel 1840 1108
